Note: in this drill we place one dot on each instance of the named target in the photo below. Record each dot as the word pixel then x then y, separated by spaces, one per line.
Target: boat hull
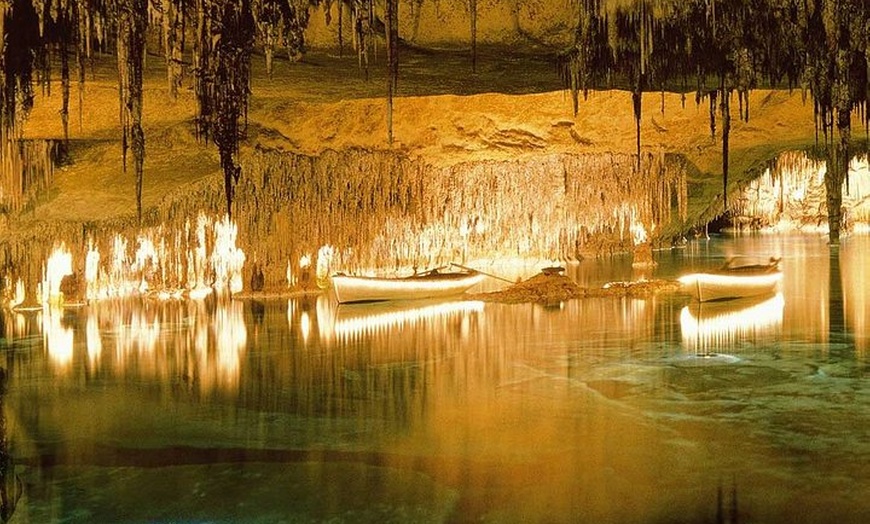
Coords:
pixel 707 287
pixel 349 289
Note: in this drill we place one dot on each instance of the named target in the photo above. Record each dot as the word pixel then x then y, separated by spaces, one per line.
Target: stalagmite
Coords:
pixel 791 195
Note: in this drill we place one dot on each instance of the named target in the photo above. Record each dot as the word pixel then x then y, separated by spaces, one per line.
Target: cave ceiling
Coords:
pixel 712 49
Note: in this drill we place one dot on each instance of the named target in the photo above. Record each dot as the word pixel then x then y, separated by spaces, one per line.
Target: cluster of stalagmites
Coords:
pixel 383 210
pixel 361 211
pixel 26 168
pixel 791 195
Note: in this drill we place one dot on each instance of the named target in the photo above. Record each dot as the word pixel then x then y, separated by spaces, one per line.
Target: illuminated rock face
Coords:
pixel 790 196
pixel 299 218
pixel 26 168
pixel 380 210
pixel 372 211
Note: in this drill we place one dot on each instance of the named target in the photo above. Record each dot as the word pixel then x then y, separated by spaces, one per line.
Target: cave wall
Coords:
pixel 26 169
pixel 371 211
pixel 382 210
pixel 363 211
pixel 790 196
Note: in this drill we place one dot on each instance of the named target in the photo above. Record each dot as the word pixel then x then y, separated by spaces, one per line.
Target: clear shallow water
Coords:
pixel 600 410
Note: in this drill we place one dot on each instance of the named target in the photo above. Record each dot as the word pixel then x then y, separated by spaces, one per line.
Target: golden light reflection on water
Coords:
pixel 94 340
pixel 58 337
pixel 230 341
pixel 717 326
pixel 530 412
pixel 829 287
pixel 208 340
pixel 855 274
pixel 358 320
pixel 201 344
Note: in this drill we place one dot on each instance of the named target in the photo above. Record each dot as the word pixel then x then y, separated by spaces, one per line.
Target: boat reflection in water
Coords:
pixel 710 327
pixel 349 321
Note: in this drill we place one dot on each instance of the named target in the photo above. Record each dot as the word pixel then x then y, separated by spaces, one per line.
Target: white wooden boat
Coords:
pixel 733 282
pixel 429 284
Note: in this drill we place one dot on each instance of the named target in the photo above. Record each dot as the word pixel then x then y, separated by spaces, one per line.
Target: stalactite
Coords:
pixel 27 169
pixel 224 80
pixel 392 33
pixel 202 51
pixel 581 65
pixel 381 209
pixel 132 16
pixel 267 15
pixel 341 29
pixel 641 74
pixel 7 103
pixel 65 87
pixel 742 43
pixel 294 15
pixel 364 17
pixel 172 20
pixel 81 54
pixel 637 102
pixel 472 7
pixel 819 43
pixel 663 100
pixel 725 108
pixel 712 95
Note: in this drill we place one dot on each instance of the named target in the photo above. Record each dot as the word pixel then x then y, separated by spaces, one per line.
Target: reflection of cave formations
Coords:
pixel 318 353
pixel 855 275
pixel 201 344
pixel 307 353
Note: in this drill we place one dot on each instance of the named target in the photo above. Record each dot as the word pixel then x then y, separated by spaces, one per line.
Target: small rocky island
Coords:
pixel 551 287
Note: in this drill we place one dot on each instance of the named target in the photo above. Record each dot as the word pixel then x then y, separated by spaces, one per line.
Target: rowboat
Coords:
pixel 428 284
pixel 733 281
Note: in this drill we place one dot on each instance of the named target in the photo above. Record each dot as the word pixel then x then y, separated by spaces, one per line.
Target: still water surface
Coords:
pixel 597 410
